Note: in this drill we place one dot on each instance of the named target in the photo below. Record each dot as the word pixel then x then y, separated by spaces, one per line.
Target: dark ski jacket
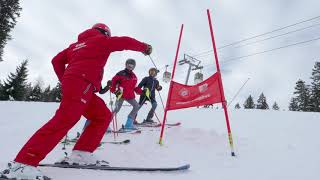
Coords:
pixel 151 83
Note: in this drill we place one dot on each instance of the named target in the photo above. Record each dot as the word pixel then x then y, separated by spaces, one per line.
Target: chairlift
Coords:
pixel 166 75
pixel 198 77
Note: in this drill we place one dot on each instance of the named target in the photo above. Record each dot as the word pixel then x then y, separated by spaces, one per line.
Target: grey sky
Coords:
pixel 47 27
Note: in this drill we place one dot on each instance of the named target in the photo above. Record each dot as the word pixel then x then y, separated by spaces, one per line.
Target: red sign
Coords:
pixel 206 92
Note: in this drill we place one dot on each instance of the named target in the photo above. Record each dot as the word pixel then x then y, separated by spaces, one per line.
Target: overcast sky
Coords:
pixel 47 27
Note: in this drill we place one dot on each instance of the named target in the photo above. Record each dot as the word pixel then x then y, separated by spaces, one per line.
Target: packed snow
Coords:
pixel 277 145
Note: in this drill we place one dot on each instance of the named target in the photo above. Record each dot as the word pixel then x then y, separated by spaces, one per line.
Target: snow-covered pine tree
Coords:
pixel 275 106
pixel 1 91
pixel 293 106
pixel 15 86
pixel 237 106
pixel 315 88
pixel 45 97
pixel 302 93
pixel 55 95
pixel 9 11
pixel 249 103
pixel 262 102
pixel 36 93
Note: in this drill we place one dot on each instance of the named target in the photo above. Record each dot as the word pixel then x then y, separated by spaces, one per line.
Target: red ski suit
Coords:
pixel 127 81
pixel 82 77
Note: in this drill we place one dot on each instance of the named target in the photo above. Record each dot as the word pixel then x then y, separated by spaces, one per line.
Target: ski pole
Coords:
pixel 161 100
pixel 113 126
pixel 65 142
pixel 115 118
pixel 152 62
pixel 157 117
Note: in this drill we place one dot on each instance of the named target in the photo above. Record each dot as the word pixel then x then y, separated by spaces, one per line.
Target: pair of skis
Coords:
pixel 157 124
pixel 127 141
pixel 117 168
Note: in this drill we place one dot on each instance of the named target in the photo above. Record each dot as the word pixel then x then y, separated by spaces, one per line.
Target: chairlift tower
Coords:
pixel 194 64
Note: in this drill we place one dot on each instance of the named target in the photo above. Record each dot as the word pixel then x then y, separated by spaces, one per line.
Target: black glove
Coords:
pixel 159 88
pixel 103 90
pixel 106 88
pixel 148 51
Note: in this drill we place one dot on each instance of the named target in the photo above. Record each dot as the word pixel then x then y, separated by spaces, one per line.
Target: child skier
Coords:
pixel 82 77
pixel 124 87
pixel 149 85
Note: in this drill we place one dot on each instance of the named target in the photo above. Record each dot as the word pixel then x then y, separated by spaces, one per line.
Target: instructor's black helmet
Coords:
pixel 130 64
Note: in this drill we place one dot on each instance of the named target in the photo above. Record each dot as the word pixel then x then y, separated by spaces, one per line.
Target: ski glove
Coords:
pixel 106 88
pixel 148 51
pixel 159 88
pixel 118 93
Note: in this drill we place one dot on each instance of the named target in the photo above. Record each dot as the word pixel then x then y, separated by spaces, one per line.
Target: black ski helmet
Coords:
pixel 155 71
pixel 130 64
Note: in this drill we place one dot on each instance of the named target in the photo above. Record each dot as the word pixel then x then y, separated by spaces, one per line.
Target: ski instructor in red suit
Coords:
pixel 80 70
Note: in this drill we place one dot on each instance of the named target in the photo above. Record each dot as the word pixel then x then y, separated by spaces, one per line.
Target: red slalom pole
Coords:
pixel 115 118
pixel 220 85
pixel 114 129
pixel 170 87
pixel 113 126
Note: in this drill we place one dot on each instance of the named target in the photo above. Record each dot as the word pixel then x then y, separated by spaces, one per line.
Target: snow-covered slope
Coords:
pixel 275 145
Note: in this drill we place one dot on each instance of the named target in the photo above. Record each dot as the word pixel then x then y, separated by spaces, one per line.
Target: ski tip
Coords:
pixel 185 167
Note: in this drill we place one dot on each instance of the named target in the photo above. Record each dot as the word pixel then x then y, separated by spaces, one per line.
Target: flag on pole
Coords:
pixel 204 93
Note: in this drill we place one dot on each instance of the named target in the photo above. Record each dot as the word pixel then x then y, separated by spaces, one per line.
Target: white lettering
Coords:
pixel 79 46
pixel 197 99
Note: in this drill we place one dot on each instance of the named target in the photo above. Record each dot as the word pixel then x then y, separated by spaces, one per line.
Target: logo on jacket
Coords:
pixel 79 46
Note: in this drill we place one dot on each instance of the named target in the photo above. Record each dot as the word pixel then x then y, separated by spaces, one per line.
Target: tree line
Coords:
pixel 306 97
pixel 260 104
pixel 16 88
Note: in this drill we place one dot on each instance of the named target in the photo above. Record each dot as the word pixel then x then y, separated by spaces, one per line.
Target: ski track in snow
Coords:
pixel 275 145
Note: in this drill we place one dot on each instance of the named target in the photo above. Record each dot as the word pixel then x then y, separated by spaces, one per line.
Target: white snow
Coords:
pixel 270 145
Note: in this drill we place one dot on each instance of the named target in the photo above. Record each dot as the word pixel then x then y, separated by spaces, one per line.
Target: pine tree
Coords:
pixel 302 93
pixel 14 88
pixel 237 106
pixel 9 11
pixel 262 102
pixel 315 88
pixel 275 106
pixel 36 93
pixel 249 103
pixel 1 91
pixel 45 97
pixel 294 105
pixel 55 95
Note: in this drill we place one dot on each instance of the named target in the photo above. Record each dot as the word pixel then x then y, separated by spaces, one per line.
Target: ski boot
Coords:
pixel 129 125
pixel 17 171
pixel 83 158
pixel 148 122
